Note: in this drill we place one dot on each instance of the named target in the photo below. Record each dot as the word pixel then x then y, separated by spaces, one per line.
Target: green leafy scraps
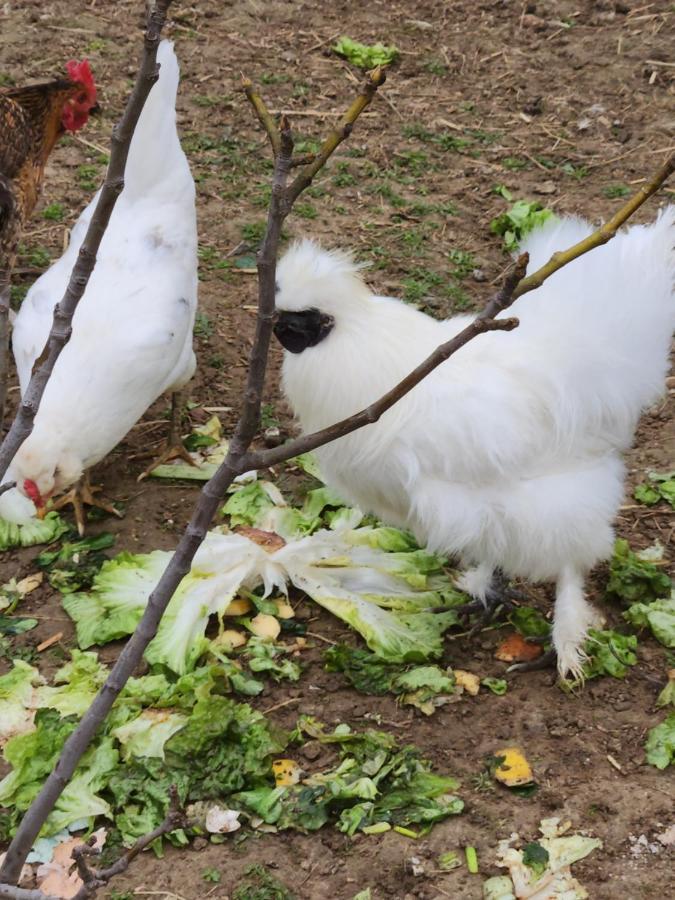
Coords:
pixel 609 653
pixel 498 686
pixel 374 781
pixel 74 565
pixel 37 531
pixel 635 580
pixel 529 622
pixel 660 746
pixel 536 858
pixel 667 695
pixel 423 686
pixel 660 486
pixel 522 218
pixel 261 886
pixel 364 56
pixel 659 616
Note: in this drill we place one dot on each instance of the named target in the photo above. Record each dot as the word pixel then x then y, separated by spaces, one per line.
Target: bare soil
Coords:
pixel 567 102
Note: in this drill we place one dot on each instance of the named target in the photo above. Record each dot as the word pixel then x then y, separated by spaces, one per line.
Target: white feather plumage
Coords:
pixel 132 331
pixel 509 454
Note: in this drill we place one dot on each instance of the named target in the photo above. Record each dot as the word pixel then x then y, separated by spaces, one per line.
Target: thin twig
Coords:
pixel 264 116
pixel 112 188
pixel 504 296
pixel 303 179
pixel 603 234
pixel 95 878
pixel 23 423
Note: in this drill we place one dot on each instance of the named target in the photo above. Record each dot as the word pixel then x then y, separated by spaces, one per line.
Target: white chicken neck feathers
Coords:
pixel 508 454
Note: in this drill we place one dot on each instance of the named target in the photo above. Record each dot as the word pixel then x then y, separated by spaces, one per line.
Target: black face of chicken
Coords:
pixel 296 331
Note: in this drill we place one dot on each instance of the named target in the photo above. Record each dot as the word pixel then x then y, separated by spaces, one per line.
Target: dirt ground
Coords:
pixel 570 103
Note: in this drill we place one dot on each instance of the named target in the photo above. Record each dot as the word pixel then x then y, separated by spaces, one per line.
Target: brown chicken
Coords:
pixel 31 121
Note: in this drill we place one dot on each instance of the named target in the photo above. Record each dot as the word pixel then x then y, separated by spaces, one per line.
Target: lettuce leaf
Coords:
pixel 659 616
pixel 365 56
pixel 17 700
pixel 660 746
pixel 635 580
pixel 36 531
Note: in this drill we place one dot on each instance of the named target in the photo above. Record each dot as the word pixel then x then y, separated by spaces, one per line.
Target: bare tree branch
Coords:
pixel 93 879
pixel 265 117
pixel 9 892
pixel 112 188
pixel 504 296
pixel 343 129
pixel 58 337
pixel 263 459
pixel 211 496
pixel 7 486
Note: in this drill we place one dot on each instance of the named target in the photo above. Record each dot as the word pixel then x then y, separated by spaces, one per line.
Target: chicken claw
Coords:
pixel 174 445
pixel 81 495
pixel 547 660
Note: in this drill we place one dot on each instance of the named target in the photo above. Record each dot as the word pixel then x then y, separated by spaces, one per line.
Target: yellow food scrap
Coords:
pixel 514 770
pixel 230 639
pixel 467 680
pixel 286 772
pixel 284 609
pixel 265 626
pixel 238 607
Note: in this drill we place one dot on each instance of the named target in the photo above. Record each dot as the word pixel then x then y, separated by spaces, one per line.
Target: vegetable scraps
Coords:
pixel 364 56
pixel 522 218
pixel 541 868
pixel 166 730
pixel 374 578
pixel 36 531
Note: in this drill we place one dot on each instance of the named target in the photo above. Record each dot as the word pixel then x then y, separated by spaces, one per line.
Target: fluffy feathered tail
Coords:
pixel 155 154
pixel 602 326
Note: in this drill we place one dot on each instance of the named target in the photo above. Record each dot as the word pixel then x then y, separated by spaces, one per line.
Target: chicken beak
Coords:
pixel 41 511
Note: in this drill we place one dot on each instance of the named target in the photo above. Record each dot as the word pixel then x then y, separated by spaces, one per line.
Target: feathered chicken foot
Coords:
pixel 174 445
pixel 81 495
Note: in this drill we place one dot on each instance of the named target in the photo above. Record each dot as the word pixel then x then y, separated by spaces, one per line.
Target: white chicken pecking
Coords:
pixel 509 454
pixel 132 331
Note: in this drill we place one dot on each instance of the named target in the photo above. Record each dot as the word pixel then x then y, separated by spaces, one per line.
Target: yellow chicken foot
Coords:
pixel 81 495
pixel 174 445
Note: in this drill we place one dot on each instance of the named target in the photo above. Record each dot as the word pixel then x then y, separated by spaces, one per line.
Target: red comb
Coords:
pixel 80 72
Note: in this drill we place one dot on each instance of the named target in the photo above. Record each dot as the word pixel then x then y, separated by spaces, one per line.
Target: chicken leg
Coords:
pixel 82 494
pixel 490 590
pixel 174 445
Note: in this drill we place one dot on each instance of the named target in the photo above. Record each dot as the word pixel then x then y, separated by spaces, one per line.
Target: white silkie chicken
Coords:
pixel 132 331
pixel 509 454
